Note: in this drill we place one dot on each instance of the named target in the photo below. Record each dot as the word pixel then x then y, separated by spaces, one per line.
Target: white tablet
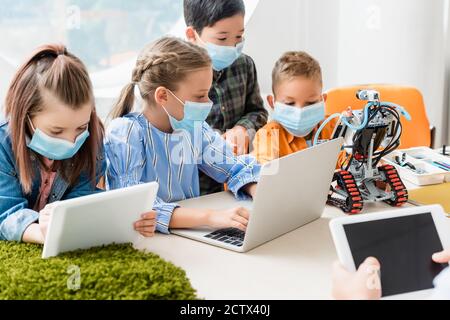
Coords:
pixel 98 219
pixel 402 240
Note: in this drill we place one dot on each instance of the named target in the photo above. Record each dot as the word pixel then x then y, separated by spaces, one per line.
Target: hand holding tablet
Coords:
pixel 364 284
pixel 402 241
pixel 118 216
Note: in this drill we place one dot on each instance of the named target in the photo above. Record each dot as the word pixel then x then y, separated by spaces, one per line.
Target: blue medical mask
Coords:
pixel 223 56
pixel 54 148
pixel 299 121
pixel 194 112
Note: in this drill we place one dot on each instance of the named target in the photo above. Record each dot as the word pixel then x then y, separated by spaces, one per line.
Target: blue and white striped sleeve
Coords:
pixel 125 163
pixel 124 151
pixel 164 213
pixel 219 162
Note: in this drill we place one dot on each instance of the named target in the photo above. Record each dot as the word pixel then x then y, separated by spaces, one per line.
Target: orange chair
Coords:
pixel 416 133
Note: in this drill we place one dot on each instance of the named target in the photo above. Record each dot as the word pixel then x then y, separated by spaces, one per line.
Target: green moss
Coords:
pixel 116 272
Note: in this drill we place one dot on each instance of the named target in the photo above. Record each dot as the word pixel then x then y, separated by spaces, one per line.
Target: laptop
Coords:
pixel 292 192
pixel 98 219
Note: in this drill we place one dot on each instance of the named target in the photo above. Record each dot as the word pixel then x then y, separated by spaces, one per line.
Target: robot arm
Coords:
pixel 378 121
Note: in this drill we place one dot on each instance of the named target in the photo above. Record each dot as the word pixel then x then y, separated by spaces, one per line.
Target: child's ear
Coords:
pixel 324 96
pixel 190 34
pixel 161 96
pixel 271 101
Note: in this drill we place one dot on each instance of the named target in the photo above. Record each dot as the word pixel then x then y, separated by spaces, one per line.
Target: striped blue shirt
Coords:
pixel 137 152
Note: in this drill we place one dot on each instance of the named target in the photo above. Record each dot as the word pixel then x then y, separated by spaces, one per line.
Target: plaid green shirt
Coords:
pixel 237 102
pixel 236 97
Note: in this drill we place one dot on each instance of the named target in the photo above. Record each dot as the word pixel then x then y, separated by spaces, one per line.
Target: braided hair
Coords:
pixel 163 63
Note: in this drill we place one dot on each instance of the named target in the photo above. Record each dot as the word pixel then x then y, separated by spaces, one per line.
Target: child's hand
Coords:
pixel 230 218
pixel 238 139
pixel 44 218
pixel 364 284
pixel 147 225
pixel 250 189
pixel 442 257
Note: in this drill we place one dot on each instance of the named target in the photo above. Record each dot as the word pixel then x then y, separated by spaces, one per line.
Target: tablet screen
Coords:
pixel 403 245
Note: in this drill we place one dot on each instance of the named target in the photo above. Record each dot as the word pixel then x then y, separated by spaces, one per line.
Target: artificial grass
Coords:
pixel 115 272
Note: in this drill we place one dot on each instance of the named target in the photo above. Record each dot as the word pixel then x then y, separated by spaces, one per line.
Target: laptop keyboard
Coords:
pixel 231 236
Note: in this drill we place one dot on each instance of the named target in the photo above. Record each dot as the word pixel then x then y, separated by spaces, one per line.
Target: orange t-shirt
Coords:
pixel 273 141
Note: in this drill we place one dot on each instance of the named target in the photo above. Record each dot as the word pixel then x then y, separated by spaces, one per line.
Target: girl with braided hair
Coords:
pixel 168 141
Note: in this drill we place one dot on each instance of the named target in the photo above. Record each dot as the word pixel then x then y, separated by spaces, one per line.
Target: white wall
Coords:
pixel 446 112
pixel 399 41
pixel 358 41
pixel 279 26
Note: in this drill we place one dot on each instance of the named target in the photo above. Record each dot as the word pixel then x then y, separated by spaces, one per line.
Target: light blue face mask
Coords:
pixel 299 121
pixel 195 113
pixel 54 148
pixel 223 56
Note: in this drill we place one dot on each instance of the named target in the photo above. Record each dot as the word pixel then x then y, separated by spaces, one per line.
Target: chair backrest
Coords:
pixel 416 133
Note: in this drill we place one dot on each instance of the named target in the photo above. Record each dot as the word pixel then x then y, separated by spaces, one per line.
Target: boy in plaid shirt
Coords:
pixel 238 111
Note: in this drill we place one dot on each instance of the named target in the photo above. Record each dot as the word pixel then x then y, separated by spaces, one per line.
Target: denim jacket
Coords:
pixel 15 212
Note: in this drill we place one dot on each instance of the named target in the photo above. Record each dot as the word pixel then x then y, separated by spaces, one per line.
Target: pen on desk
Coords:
pixel 434 164
pixel 443 164
pixel 437 165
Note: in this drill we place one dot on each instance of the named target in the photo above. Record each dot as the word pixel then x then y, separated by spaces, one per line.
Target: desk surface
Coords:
pixel 296 265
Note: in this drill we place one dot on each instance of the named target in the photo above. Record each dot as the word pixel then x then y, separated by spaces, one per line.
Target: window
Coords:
pixel 106 34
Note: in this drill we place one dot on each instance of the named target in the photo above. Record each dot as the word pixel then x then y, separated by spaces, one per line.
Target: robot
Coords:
pixel 369 135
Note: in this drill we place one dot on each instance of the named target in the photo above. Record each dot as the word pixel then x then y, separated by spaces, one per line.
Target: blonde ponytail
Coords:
pixel 125 103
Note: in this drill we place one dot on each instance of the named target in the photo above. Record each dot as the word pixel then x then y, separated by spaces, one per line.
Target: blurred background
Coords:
pixel 402 42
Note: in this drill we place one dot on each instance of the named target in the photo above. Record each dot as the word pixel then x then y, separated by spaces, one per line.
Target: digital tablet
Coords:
pixel 402 240
pixel 98 219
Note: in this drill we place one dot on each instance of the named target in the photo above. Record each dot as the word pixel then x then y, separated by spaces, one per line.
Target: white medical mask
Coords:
pixel 194 112
pixel 54 148
pixel 299 121
pixel 223 56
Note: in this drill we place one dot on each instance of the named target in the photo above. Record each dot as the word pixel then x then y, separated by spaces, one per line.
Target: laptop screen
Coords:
pixel 403 245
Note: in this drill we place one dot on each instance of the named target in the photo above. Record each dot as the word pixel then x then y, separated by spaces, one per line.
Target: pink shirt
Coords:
pixel 47 179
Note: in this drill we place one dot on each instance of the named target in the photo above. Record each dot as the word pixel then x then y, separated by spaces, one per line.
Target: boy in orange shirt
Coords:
pixel 298 108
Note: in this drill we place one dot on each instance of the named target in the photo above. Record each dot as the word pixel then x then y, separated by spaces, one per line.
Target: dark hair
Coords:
pixel 205 13
pixel 59 72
